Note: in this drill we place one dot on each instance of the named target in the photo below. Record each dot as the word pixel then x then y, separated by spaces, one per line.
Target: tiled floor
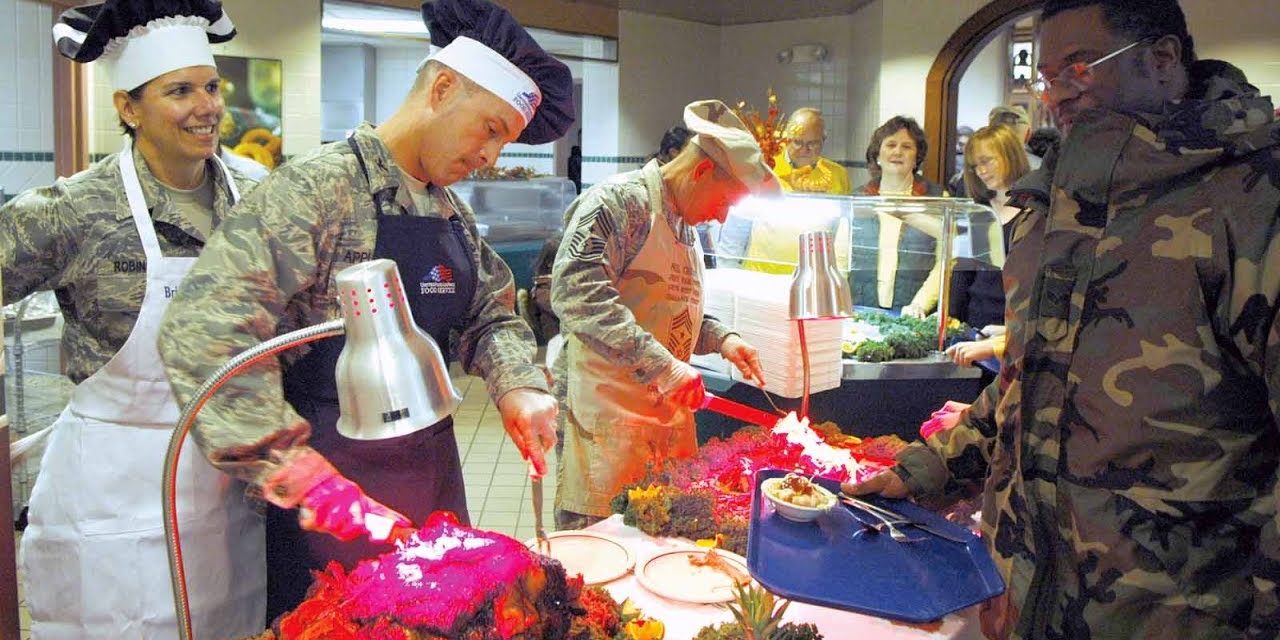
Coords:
pixel 496 477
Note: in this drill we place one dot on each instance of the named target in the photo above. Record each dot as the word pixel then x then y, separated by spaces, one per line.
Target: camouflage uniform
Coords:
pixel 1129 447
pixel 78 238
pixel 626 287
pixel 605 229
pixel 269 269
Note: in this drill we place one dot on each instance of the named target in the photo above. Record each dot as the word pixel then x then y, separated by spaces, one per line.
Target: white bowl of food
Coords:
pixel 797 498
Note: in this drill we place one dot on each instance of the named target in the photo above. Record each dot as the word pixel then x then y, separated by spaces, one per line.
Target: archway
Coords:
pixel 943 84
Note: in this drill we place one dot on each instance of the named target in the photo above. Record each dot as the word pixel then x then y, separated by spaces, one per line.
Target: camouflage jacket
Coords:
pixel 604 231
pixel 77 238
pixel 1129 448
pixel 269 269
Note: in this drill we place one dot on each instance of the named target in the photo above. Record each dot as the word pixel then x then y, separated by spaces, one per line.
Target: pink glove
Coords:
pixel 339 507
pixel 682 384
pixel 327 500
pixel 942 419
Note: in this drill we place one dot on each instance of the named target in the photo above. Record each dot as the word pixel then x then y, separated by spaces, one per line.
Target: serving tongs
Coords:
pixel 739 411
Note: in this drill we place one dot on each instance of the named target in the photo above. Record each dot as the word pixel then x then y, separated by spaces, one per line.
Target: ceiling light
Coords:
pixel 375 26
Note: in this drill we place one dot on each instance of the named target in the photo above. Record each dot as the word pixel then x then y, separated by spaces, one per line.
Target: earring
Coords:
pixel 132 125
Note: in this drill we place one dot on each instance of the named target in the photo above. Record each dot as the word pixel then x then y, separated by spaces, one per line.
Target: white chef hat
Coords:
pixel 721 134
pixel 143 39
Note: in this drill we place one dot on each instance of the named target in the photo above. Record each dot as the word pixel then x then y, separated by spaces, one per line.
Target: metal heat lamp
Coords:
pixel 392 380
pixel 818 292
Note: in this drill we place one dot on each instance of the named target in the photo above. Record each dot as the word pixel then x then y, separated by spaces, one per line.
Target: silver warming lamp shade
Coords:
pixel 819 291
pixel 392 380
pixel 392 377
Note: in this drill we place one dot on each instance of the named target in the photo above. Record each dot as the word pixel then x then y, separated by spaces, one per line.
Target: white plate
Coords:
pixel 669 573
pixel 598 557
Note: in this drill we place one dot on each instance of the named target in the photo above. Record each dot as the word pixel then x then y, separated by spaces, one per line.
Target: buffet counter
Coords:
pixel 863 406
pixel 683 620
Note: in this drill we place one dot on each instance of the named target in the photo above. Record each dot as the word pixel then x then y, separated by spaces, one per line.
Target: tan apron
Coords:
pixel 617 426
pixel 94 555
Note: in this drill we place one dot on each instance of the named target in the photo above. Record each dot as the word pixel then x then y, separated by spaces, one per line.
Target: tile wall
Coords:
pixel 26 96
pixel 278 30
pixel 391 74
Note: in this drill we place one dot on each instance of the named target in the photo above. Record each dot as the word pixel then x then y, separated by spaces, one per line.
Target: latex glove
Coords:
pixel 338 506
pixel 744 357
pixel 529 416
pixel 967 353
pixel 945 418
pixel 886 483
pixel 912 311
pixel 682 384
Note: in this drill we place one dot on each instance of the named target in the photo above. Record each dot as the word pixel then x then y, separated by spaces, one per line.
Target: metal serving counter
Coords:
pixel 517 217
pixel 873 398
pixel 892 250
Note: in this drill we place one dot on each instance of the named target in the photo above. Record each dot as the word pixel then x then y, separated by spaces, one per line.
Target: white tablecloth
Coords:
pixel 683 620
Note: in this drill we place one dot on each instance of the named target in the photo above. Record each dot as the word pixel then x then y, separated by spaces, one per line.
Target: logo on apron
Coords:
pixel 439 280
pixel 680 335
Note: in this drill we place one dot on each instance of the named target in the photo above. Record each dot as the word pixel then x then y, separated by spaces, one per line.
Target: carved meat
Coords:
pixel 445 581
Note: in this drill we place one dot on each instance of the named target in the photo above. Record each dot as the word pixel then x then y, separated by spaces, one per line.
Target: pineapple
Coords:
pixel 754 609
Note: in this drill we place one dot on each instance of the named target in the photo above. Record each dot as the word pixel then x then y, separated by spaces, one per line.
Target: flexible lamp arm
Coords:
pixel 234 366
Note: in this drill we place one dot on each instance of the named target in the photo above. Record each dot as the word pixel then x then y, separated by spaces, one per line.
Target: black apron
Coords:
pixel 415 474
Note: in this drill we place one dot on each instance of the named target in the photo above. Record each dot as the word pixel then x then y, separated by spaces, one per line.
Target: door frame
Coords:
pixel 942 87
pixel 70 105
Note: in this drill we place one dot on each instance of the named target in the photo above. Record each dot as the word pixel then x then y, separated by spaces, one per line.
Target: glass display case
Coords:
pixel 888 247
pixel 894 252
pixel 517 216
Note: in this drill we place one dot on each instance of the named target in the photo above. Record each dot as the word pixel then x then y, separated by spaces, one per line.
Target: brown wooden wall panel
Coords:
pixel 560 15
pixel 942 90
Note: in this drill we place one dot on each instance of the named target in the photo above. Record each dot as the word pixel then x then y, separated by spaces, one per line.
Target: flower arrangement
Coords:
pixel 768 130
pixel 708 497
pixel 757 615
pixel 606 619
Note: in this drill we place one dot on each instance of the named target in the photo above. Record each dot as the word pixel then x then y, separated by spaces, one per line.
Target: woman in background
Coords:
pixel 898 148
pixel 994 160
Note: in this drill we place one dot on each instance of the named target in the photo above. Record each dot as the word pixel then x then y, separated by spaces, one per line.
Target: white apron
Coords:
pixel 94 554
pixel 617 426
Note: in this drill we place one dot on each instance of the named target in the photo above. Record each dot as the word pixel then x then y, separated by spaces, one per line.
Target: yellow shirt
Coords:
pixel 775 240
pixel 823 177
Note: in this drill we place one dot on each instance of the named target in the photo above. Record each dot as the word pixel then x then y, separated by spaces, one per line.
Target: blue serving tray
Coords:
pixel 821 563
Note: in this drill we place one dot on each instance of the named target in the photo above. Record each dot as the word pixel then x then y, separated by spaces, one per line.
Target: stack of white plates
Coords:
pixel 756 305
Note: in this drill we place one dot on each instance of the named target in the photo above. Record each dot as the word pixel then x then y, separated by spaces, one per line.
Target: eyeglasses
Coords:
pixel 811 145
pixel 1078 76
pixel 984 162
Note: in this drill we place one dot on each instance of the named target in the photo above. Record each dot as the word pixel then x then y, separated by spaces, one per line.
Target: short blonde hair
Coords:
pixel 430 69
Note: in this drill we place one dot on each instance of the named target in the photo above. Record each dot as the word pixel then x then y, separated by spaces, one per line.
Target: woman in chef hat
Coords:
pixel 114 242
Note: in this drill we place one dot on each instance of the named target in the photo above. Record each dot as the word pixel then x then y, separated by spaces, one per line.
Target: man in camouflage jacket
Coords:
pixel 1129 448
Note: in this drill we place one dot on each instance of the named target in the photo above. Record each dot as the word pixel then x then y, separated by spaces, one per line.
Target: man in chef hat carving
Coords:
pixel 627 287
